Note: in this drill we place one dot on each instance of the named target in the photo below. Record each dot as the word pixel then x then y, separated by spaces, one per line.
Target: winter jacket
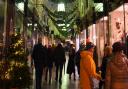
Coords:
pixel 117 72
pixel 39 55
pixel 87 70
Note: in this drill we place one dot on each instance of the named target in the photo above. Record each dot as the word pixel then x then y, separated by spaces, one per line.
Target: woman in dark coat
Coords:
pixel 71 63
pixel 106 59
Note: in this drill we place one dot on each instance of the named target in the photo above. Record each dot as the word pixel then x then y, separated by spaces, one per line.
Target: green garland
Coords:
pixel 68 17
pixel 61 13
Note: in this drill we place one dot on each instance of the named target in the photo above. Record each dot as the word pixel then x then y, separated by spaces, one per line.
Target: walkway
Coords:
pixel 66 83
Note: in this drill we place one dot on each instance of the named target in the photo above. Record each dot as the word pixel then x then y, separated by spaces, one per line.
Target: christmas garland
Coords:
pixel 62 18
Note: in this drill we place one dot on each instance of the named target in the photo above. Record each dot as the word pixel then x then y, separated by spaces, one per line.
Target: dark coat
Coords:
pixel 39 55
pixel 59 54
pixel 71 63
pixel 50 57
pixel 105 61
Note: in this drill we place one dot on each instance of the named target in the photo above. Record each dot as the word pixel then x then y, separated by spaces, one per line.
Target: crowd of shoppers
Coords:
pixel 114 67
pixel 43 58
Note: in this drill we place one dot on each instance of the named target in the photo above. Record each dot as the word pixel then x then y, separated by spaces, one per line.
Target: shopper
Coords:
pixel 39 57
pixel 77 58
pixel 87 67
pixel 117 69
pixel 105 60
pixel 71 63
pixel 59 54
pixel 49 63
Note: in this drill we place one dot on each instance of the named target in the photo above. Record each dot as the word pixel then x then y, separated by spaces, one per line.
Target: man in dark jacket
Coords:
pixel 59 61
pixel 39 57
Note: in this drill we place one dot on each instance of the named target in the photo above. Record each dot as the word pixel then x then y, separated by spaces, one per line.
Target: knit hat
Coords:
pixel 89 45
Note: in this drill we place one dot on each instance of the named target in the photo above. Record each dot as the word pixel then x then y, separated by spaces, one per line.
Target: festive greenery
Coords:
pixel 14 72
pixel 62 18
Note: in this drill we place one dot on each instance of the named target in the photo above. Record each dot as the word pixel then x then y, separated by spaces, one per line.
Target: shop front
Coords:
pixel 98 34
pixel 119 24
pixel 101 37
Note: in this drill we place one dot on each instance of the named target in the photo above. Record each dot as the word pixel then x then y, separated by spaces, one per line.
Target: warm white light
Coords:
pixel 63 29
pixel 104 18
pixel 61 24
pixel 21 6
pixel 61 7
pixel 29 24
pixel 68 25
pixel 35 25
pixel 98 7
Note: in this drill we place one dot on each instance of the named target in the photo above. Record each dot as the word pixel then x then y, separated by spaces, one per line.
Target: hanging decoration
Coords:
pixel 66 19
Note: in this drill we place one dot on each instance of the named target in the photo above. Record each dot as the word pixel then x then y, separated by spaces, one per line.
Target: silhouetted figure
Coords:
pixel 95 56
pixel 71 63
pixel 117 69
pixel 49 63
pixel 78 57
pixel 39 57
pixel 59 61
pixel 106 59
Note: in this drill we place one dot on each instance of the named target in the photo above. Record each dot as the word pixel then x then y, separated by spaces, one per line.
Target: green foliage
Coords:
pixel 21 77
pixel 15 72
pixel 62 18
pixel 16 49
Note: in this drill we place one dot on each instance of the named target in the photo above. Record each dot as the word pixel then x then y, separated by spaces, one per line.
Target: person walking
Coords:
pixel 71 63
pixel 106 59
pixel 59 54
pixel 87 67
pixel 78 57
pixel 39 56
pixel 117 69
pixel 49 63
